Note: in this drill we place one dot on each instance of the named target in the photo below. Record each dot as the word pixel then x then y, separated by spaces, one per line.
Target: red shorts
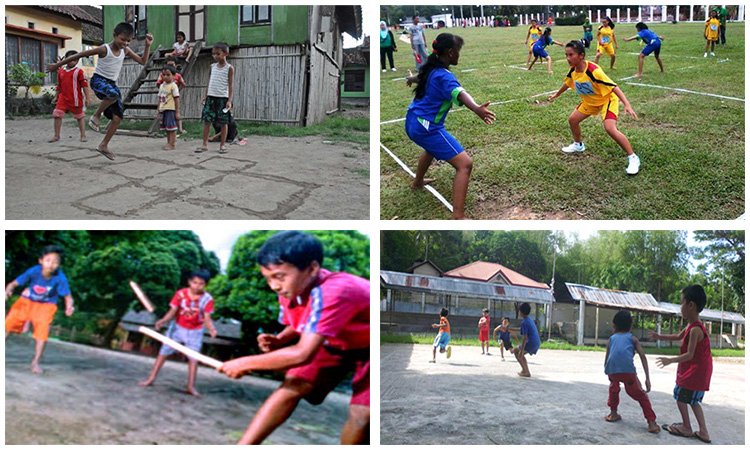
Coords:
pixel 39 314
pixel 484 334
pixel 329 367
pixel 62 107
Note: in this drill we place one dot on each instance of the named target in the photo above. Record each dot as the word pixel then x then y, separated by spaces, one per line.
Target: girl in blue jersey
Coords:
pixel 653 45
pixel 538 49
pixel 436 91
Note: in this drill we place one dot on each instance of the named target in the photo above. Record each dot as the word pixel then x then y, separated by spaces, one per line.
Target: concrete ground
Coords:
pixel 269 178
pixel 476 399
pixel 91 396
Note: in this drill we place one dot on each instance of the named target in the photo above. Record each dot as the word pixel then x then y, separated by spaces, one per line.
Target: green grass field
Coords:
pixel 691 146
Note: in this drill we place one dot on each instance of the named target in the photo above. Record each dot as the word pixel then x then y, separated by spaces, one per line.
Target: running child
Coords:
pixel 694 365
pixel 44 284
pixel 192 306
pixel 484 331
pixel 218 101
pixel 326 337
pixel 711 32
pixel 443 337
pixel 653 45
pixel 104 81
pixel 599 95
pixel 530 342
pixel 437 90
pixel 619 367
pixel 71 96
pixel 181 48
pixel 534 32
pixel 169 106
pixel 606 42
pixel 539 49
pixel 502 332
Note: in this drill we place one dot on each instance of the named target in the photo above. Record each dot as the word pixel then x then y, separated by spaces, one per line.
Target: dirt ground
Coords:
pixel 476 399
pixel 90 396
pixel 269 178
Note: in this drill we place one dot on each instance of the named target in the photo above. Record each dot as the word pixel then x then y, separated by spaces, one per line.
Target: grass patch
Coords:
pixel 422 338
pixel 691 146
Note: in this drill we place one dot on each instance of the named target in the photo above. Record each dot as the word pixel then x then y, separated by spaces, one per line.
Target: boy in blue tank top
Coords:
pixel 618 365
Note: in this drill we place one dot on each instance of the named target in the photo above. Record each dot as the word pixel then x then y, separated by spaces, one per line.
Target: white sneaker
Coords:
pixel 713 54
pixel 705 55
pixel 575 147
pixel 634 164
pixel 393 69
pixel 383 70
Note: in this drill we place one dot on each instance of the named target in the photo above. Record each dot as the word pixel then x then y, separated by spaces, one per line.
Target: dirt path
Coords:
pixel 90 396
pixel 269 178
pixel 475 399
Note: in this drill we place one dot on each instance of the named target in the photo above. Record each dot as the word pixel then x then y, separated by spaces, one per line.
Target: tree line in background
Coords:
pixel 99 264
pixel 638 261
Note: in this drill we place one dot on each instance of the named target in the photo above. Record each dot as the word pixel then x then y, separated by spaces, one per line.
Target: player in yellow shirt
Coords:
pixel 599 95
pixel 711 33
pixel 606 42
pixel 534 32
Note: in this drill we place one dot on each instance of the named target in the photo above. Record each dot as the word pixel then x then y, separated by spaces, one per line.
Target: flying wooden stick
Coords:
pixel 141 296
pixel 207 360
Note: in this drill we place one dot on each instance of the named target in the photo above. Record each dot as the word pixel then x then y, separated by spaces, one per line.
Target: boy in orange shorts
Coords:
pixel 72 96
pixel 45 283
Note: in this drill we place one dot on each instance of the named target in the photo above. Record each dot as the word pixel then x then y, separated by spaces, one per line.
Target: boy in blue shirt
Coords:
pixel 619 367
pixel 529 340
pixel 653 45
pixel 45 283
pixel 502 332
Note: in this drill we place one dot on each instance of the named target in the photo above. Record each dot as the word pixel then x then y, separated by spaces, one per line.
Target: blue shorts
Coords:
pixel 530 350
pixel 683 395
pixel 106 89
pixel 651 48
pixel 168 120
pixel 505 343
pixel 539 52
pixel 441 340
pixel 434 140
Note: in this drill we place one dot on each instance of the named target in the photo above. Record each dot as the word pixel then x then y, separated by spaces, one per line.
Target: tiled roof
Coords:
pixel 485 271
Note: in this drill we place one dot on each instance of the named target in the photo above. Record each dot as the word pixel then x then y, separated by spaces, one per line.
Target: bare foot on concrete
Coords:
pixel 54 139
pixel 193 392
pixel 146 383
pixel 35 369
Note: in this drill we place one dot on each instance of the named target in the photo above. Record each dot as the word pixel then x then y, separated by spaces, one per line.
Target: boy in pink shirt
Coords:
pixel 326 337
pixel 694 367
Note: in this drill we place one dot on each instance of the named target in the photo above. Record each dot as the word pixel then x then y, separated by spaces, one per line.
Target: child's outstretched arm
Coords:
pixel 100 51
pixel 268 342
pixel 562 89
pixel 296 355
pixel 696 335
pixel 411 79
pixel 667 337
pixel 644 361
pixel 480 110
pixel 625 103
pixel 631 38
pixel 142 60
pixel 10 288
pixel 69 305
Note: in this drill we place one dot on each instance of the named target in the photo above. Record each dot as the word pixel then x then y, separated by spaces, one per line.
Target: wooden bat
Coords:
pixel 207 360
pixel 141 296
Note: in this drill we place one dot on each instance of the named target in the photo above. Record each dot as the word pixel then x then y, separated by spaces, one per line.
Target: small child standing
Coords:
pixel 181 84
pixel 502 332
pixel 599 95
pixel 694 364
pixel 218 100
pixel 530 342
pixel 192 306
pixel 45 283
pixel 484 331
pixel 443 337
pixel 619 367
pixel 169 106
pixel 711 33
pixel 104 81
pixel 71 96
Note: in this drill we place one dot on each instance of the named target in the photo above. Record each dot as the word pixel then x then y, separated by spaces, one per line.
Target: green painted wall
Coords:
pixel 111 16
pixel 161 24
pixel 256 35
pixel 290 25
pixel 366 92
pixel 221 24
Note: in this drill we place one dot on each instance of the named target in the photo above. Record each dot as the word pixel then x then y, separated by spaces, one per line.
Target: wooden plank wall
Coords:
pixel 269 85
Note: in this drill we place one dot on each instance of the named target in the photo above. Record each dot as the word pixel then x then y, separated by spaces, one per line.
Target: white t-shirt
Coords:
pixel 416 34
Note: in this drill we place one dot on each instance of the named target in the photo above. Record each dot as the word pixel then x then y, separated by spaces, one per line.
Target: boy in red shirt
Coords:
pixel 694 364
pixel 71 96
pixel 193 307
pixel 326 337
pixel 484 331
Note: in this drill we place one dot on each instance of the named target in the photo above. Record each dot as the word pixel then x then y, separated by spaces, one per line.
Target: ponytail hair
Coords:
pixel 442 43
pixel 547 31
pixel 609 22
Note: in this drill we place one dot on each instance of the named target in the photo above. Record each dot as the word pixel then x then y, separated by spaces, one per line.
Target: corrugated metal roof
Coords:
pixel 639 301
pixel 463 287
pixel 713 315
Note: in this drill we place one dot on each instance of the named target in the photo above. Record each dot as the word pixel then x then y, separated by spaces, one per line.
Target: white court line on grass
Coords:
pixel 398 79
pixel 675 70
pixel 429 188
pixel 687 91
pixel 468 70
pixel 673 56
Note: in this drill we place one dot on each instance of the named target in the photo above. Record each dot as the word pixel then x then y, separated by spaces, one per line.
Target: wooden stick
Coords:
pixel 141 296
pixel 207 360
